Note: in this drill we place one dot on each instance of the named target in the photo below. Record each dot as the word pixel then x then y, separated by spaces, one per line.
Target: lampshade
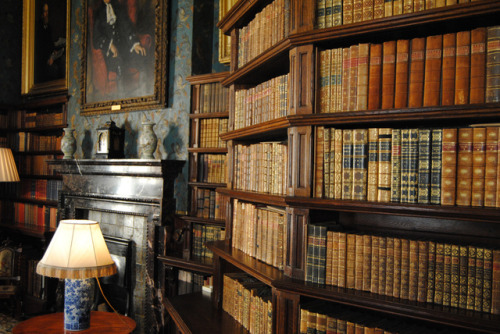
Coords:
pixel 8 170
pixel 77 251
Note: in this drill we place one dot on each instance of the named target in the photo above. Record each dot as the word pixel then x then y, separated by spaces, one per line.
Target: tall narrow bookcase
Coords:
pixel 29 207
pixel 381 204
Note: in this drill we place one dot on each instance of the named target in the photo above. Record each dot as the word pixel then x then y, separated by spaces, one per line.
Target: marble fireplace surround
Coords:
pixel 131 199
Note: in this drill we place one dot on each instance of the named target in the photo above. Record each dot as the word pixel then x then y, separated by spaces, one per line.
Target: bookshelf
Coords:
pixel 33 130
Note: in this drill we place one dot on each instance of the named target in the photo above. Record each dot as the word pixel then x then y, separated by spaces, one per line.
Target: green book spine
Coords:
pixel 396 166
pixel 437 137
pixel 439 274
pixel 360 164
pixel 424 168
pixel 431 272
pixel 413 166
pixel 310 253
pixel 321 267
pixel 328 13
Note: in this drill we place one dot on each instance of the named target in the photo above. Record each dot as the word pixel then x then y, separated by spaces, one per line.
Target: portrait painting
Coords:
pixel 45 52
pixel 124 55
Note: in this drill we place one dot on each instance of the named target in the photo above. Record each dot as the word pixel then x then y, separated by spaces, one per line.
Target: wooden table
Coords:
pixel 100 322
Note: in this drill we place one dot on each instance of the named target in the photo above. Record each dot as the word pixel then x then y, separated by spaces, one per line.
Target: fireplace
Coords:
pixel 133 200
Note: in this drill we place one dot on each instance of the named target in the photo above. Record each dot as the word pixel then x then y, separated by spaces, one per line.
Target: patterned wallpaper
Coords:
pixel 172 123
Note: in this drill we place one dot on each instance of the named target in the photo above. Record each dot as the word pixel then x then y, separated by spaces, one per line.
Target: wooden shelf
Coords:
pixel 33 231
pixel 240 13
pixel 194 313
pixel 30 200
pixel 46 128
pixel 258 269
pixel 209 150
pixel 37 153
pixel 253 197
pixel 40 177
pixel 203 267
pixel 224 114
pixel 206 184
pixel 458 318
pixel 206 78
pixel 206 221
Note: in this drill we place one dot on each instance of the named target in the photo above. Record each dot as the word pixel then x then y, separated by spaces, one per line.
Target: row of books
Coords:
pixel 267 28
pixel 213 98
pixel 210 129
pixel 33 284
pixel 202 234
pixel 261 103
pixel 261 167
pixel 259 231
pixel 212 168
pixel 210 204
pixel 34 164
pixel 322 317
pixel 36 189
pixel 33 215
pixel 331 13
pixel 189 282
pixel 456 275
pixel 450 69
pixel 446 166
pixel 28 119
pixel 32 142
pixel 249 302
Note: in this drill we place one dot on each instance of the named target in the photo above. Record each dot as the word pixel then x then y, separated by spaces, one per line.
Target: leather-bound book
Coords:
pixel 339 82
pixel 424 164
pixel 455 275
pixel 325 81
pixel 359 261
pixel 335 258
pixel 368 7
pixel 350 261
pixel 477 65
pixel 319 157
pixel 342 259
pixel 336 12
pixel 346 78
pixel 439 274
pixel 436 165
pixel 388 8
pixel 330 191
pixel 326 162
pixel 373 165
pixel 416 80
pixel 389 267
pixel 419 5
pixel 478 165
pixel 401 79
pixel 347 163
pixel 396 166
pixel 374 264
pixel 463 276
pixel 413 271
pixel 363 67
pixel 396 288
pixel 334 80
pixel 495 283
pixel 357 12
pixel 384 165
pixel 405 268
pixel 491 166
pixel 447 275
pixel 462 72
pixel 471 276
pixel 478 289
pixel 375 78
pixel 448 75
pixel 360 164
pixel 353 76
pixel 347 11
pixel 413 166
pixel 423 269
pixel 329 255
pixel 464 167
pixel 449 166
pixel 382 262
pixel 432 78
pixel 487 277
pixel 388 74
pixel 493 65
pixel 397 7
pixel 407 6
pixel 328 13
pixel 339 162
pixel 378 9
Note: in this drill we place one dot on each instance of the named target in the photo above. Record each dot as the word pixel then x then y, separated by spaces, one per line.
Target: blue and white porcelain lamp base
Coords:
pixel 77 303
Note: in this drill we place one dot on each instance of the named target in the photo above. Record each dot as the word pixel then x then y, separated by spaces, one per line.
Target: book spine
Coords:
pixel 455 276
pixel 396 166
pixel 347 11
pixel 346 77
pixel 378 9
pixel 389 267
pixel 423 268
pixel 405 165
pixel 495 283
pixel 336 13
pixel 347 163
pixel 464 167
pixel 333 81
pixel 416 80
pixel 471 277
pixel 491 166
pixel 373 164
pixel 324 81
pixel 339 162
pixel 353 76
pixel 487 279
pixel 477 65
pixel 405 268
pixel 384 165
pixel 319 157
pixel 362 86
pixel 448 75
pixel 326 162
pixel 436 165
pixel 374 264
pixel 401 76
pixel 413 271
pixel 321 261
pixel 478 287
pixel 424 155
pixel 310 253
pixel 387 8
pixel 463 268
pixel 368 9
pixel 439 274
pixel 397 7
pixel 375 78
pixel 432 76
pixel 396 289
pixel 359 261
pixel 335 258
pixel 449 167
pixel 320 14
pixel 350 261
pixel 462 72
pixel 382 264
pixel 357 11
pixel 493 65
pixel 360 164
pixel 478 166
pixel 388 74
pixel 431 272
pixel 342 260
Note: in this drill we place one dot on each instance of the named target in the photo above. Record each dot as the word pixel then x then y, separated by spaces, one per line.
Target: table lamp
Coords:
pixel 77 253
pixel 8 170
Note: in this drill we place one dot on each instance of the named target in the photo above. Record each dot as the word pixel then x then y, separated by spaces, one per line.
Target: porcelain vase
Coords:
pixel 68 143
pixel 77 303
pixel 147 141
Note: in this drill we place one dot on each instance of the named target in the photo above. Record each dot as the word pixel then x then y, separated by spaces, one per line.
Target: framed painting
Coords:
pixel 124 55
pixel 44 46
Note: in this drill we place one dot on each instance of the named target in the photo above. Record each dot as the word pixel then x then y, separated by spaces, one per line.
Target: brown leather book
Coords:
pixel 478 165
pixel 358 262
pixel 464 167
pixel 378 9
pixel 413 270
pixel 373 165
pixel 368 10
pixel 389 266
pixel 418 5
pixel 374 264
pixel 347 11
pixel 342 259
pixel 353 76
pixel 384 165
pixel 405 268
pixel 449 166
pixel 397 7
pixel 382 262
pixel 477 65
pixel 462 73
pixel 401 80
pixel 388 74
pixel 350 261
pixel 495 283
pixel 363 66
pixel 432 78
pixel 491 166
pixel 346 78
pixel 374 78
pixel 396 288
pixel 416 80
pixel 407 6
pixel 388 8
pixel 448 75
pixel 318 175
pixel 357 12
pixel 493 65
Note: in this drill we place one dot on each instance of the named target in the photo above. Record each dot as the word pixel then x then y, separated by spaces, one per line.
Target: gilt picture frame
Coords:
pixel 224 40
pixel 124 55
pixel 45 55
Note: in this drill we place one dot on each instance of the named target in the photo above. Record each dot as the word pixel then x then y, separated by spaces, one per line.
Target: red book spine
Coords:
pixel 416 81
pixel 401 85
pixel 462 73
pixel 432 78
pixel 388 74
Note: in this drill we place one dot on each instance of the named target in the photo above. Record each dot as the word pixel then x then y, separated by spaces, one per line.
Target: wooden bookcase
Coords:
pixel 33 131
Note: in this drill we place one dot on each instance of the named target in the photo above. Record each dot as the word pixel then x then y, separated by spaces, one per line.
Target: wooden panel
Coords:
pixel 304 15
pixel 295 246
pixel 301 80
pixel 287 312
pixel 299 161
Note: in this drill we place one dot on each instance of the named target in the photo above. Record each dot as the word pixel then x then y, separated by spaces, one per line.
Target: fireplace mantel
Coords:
pixel 131 199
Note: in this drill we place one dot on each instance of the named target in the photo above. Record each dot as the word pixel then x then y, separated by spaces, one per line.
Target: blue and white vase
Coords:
pixel 77 303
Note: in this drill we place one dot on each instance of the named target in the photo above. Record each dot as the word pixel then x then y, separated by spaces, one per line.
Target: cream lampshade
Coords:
pixel 77 253
pixel 8 170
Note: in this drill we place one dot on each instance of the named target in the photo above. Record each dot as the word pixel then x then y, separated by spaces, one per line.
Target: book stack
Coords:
pixel 456 275
pixel 38 189
pixel 446 166
pixel 213 98
pixel 259 232
pixel 29 119
pixel 33 215
pixel 189 282
pixel 269 27
pixel 202 234
pixel 212 168
pixel 450 69
pixel 34 164
pixel 261 167
pixel 31 142
pixel 249 302
pixel 209 204
pixel 210 129
pixel 261 103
